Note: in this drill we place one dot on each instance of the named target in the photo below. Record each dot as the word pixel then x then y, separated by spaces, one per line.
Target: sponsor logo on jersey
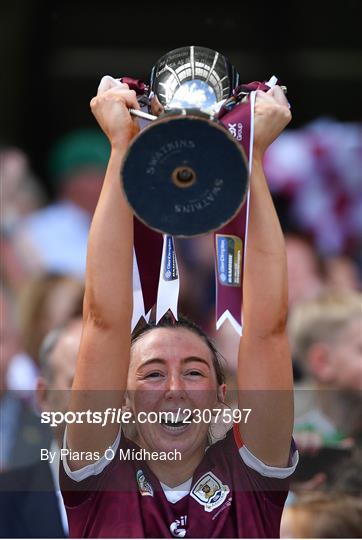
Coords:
pixel 177 527
pixel 143 485
pixel 210 492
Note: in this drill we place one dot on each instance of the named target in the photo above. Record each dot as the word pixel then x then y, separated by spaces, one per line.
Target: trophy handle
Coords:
pixel 141 114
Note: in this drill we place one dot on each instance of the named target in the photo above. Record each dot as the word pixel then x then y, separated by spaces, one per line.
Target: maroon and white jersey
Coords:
pixel 232 494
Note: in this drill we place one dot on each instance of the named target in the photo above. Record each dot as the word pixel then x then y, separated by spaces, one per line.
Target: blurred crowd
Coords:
pixel 315 177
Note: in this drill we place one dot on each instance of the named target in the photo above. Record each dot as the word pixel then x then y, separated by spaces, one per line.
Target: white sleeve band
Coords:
pixel 93 468
pixel 266 470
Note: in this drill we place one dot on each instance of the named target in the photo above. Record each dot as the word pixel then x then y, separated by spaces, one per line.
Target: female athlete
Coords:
pixel 235 487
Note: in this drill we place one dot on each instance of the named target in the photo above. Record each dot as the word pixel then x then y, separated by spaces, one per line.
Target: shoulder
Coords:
pixel 108 473
pixel 232 452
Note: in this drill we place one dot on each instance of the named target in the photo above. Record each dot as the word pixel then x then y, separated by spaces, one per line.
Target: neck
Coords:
pixel 174 473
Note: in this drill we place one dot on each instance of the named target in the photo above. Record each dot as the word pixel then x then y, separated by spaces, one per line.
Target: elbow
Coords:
pixel 97 319
pixel 93 314
pixel 280 325
pixel 274 325
pixel 106 317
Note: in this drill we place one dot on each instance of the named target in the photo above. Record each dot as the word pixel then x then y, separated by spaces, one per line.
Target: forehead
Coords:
pixel 170 343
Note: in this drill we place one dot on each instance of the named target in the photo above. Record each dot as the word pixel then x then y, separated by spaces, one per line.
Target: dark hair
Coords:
pixel 169 321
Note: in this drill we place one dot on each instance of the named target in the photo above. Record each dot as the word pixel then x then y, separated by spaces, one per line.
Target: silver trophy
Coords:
pixel 185 174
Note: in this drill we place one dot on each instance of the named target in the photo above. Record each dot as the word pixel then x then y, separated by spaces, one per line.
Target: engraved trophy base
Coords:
pixel 185 175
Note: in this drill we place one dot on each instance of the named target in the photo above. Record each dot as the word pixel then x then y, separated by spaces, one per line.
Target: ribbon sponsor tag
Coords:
pixel 228 259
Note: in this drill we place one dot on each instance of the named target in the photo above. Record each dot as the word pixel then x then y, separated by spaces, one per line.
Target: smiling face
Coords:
pixel 172 369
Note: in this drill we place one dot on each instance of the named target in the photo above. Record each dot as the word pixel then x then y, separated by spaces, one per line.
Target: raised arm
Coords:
pixel 264 367
pixel 103 360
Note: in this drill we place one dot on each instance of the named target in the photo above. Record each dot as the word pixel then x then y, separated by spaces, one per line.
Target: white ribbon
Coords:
pixel 169 282
pixel 138 304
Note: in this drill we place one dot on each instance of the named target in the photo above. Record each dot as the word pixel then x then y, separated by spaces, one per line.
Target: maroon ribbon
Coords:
pixel 148 247
pixel 135 84
pixel 230 241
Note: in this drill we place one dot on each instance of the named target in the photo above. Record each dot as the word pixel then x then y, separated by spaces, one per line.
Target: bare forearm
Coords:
pixel 265 281
pixel 109 261
pixel 103 359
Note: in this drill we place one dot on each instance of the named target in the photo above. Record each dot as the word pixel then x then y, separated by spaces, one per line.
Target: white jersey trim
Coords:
pixel 266 470
pixel 173 495
pixel 93 468
pixel 178 492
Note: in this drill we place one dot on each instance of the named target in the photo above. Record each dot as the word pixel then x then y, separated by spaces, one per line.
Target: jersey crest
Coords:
pixel 143 485
pixel 209 491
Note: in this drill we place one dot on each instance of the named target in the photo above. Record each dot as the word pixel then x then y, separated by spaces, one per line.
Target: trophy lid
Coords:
pixel 193 77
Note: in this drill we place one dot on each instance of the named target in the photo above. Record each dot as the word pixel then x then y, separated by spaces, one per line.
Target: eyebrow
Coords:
pixel 187 360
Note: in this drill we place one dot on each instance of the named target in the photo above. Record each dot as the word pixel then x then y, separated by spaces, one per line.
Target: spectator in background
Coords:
pixel 318 168
pixel 12 271
pixel 326 340
pixel 21 193
pixel 342 274
pixel 322 515
pixel 20 432
pixel 31 505
pixel 305 269
pixel 46 302
pixel 54 238
pixel 195 257
pixel 346 479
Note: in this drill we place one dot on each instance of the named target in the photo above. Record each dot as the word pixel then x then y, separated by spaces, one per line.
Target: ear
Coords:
pixel 41 393
pixel 319 362
pixel 126 405
pixel 221 392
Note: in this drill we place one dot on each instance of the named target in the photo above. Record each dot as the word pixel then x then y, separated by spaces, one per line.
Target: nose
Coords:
pixel 175 388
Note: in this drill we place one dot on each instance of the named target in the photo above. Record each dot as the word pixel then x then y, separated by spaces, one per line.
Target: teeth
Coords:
pixel 175 427
pixel 175 418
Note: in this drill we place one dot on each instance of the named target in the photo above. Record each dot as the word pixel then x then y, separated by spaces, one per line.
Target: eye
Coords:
pixel 194 373
pixel 154 375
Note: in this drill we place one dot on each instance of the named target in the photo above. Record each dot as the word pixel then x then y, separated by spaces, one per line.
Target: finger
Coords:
pixel 108 82
pixel 277 93
pixel 263 96
pixel 121 94
pixel 129 98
